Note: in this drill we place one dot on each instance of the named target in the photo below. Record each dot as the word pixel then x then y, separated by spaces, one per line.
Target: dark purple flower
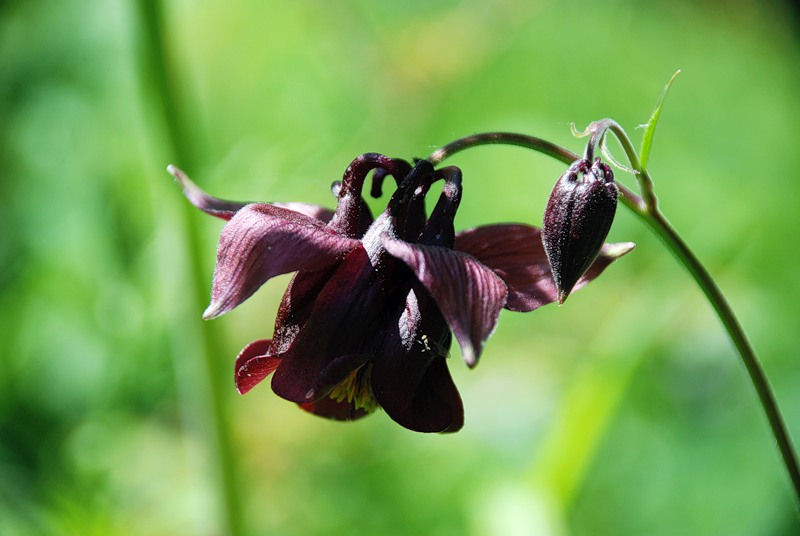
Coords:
pixel 577 219
pixel 367 319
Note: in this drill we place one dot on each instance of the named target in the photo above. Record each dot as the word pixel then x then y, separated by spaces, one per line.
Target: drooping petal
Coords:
pixel 262 241
pixel 296 306
pixel 253 364
pixel 469 295
pixel 608 254
pixel 439 391
pixel 220 208
pixel 424 400
pixel 254 349
pixel 224 209
pixel 516 254
pixel 409 375
pixel 342 318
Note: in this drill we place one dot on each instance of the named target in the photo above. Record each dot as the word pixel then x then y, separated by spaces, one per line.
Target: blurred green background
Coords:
pixel 625 412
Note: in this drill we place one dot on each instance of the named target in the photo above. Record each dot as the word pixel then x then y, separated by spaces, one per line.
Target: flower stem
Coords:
pixel 651 214
pixel 502 138
pixel 659 224
pixel 162 96
pixel 562 154
pixel 646 208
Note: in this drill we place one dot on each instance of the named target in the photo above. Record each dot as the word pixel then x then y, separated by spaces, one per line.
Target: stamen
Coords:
pixel 429 345
pixel 356 389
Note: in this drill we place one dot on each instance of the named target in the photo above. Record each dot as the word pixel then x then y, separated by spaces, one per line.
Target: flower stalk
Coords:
pixel 646 208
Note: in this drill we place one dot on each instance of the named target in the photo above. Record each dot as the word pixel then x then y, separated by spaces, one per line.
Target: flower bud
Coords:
pixel 576 221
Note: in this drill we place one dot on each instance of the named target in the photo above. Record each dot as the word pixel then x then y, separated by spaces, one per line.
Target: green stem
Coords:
pixel 163 95
pixel 646 208
pixel 659 224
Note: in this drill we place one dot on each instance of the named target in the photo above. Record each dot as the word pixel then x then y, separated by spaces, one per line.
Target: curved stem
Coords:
pixel 630 199
pixel 502 138
pixel 659 224
pixel 650 203
pixel 646 208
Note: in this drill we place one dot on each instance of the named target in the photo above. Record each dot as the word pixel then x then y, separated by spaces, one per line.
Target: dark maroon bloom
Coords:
pixel 367 319
pixel 577 219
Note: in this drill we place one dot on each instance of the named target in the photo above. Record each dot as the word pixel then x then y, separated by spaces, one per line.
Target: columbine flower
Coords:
pixel 577 219
pixel 367 319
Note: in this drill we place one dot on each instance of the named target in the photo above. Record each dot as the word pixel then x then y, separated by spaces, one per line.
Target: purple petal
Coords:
pixel 297 305
pixel 469 295
pixel 516 254
pixel 339 321
pixel 409 374
pixel 262 241
pixel 420 398
pixel 253 364
pixel 225 210
pixel 211 205
pixel 608 254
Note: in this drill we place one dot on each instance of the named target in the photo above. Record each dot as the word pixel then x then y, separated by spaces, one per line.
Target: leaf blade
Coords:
pixel 650 127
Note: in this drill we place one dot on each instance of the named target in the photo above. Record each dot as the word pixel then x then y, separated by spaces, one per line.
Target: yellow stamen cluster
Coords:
pixel 357 390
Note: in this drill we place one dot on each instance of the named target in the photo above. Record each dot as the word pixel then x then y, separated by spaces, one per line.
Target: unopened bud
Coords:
pixel 577 220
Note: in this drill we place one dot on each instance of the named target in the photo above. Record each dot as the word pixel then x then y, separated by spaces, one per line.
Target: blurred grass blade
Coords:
pixel 650 128
pixel 162 92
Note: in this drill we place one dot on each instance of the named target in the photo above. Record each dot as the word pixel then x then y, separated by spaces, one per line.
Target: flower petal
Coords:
pixel 516 254
pixel 425 400
pixel 211 205
pixel 225 209
pixel 469 295
pixel 253 364
pixel 254 349
pixel 262 241
pixel 409 374
pixel 341 320
pixel 608 254
pixel 297 305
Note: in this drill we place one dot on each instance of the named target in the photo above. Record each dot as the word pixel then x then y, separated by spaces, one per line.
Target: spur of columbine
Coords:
pixel 366 321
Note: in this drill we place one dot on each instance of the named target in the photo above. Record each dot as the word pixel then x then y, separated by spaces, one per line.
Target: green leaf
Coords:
pixel 650 128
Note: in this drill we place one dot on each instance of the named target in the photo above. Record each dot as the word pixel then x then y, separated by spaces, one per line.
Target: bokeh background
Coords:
pixel 625 412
